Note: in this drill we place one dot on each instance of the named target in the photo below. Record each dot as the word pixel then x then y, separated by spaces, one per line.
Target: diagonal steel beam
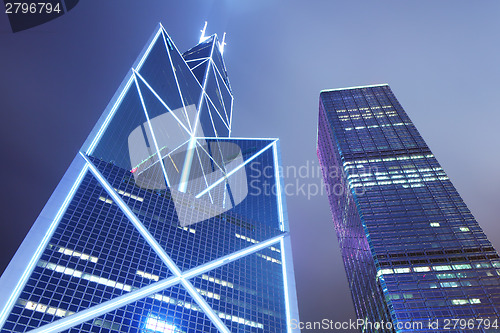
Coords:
pixel 105 307
pixel 152 132
pixel 162 101
pixel 133 218
pixel 220 180
pixel 43 244
pixel 177 83
pixel 133 296
pixel 153 242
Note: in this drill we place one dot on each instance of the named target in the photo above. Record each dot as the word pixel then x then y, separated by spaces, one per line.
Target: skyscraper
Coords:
pixel 154 227
pixel 415 257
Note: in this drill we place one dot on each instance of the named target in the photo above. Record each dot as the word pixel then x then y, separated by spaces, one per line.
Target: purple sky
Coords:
pixel 440 59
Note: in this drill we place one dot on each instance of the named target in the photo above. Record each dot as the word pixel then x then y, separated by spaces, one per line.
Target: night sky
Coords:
pixel 441 59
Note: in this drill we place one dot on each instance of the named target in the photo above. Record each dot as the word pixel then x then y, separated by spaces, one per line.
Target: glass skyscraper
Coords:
pixel 415 257
pixel 154 227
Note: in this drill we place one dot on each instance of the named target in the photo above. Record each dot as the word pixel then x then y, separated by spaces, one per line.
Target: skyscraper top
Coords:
pixel 357 87
pixel 203 38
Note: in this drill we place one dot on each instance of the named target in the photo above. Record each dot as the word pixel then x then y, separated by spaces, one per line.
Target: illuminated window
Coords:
pixel 253 241
pixel 107 324
pixel 148 276
pixel 268 258
pixel 435 224
pixel 465 301
pixel 126 194
pixel 208 294
pixel 157 325
pixel 218 281
pixel 73 253
pixel 84 276
pixel 191 230
pixel 482 265
pixel 442 268
pixel 239 320
pixel 385 271
pixel 106 200
pixel 459 301
pixel 445 276
pixel 422 269
pixel 42 308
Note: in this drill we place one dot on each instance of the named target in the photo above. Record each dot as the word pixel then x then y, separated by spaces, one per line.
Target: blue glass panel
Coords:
pixel 206 121
pixel 248 288
pixel 202 50
pixel 169 129
pixel 157 70
pixel 189 85
pixel 219 63
pixel 199 71
pixel 95 254
pixel 226 95
pixel 169 311
pixel 194 63
pixel 216 118
pixel 189 246
pixel 215 99
pixel 262 188
pixel 113 146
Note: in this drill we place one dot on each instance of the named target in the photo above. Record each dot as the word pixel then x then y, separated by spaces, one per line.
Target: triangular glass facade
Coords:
pixel 159 198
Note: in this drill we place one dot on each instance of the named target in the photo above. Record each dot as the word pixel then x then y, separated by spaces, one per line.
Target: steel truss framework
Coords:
pixel 219 114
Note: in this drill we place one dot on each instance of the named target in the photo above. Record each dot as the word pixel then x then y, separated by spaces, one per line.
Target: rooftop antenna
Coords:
pixel 221 44
pixel 202 37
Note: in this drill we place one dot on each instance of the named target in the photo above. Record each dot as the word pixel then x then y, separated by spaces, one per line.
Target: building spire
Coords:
pixel 202 37
pixel 221 44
